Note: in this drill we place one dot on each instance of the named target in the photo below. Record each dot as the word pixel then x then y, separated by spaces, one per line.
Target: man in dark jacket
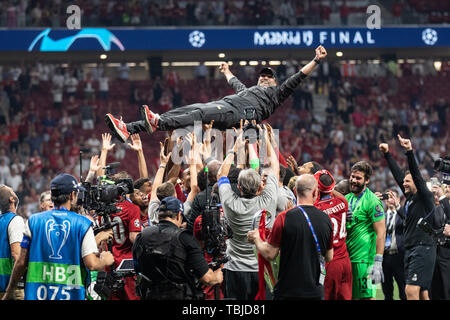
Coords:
pixel 420 249
pixel 258 103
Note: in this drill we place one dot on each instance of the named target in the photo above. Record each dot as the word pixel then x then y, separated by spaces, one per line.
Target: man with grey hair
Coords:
pixel 303 238
pixel 241 272
pixel 45 201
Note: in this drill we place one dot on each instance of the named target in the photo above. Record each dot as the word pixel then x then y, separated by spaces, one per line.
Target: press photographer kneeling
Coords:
pixel 168 260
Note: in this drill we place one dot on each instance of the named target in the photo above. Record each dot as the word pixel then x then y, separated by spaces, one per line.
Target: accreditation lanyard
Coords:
pixel 321 257
pixel 356 202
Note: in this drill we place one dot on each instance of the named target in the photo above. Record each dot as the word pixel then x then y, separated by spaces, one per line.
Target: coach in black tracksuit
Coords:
pixel 260 100
pixel 420 248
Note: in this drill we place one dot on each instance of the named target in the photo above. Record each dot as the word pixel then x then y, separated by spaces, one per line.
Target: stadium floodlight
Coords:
pixel 437 65
pixel 103 56
pixel 339 53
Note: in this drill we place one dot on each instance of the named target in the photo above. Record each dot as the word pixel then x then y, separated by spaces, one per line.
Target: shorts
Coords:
pixel 362 287
pixel 338 280
pixel 419 266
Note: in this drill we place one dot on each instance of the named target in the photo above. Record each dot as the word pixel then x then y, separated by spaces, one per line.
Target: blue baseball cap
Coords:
pixel 64 184
pixel 171 204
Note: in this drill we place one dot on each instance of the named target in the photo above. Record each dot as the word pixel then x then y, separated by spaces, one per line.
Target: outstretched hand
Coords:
pixel 163 158
pixel 106 142
pixel 136 143
pixel 321 53
pixel 405 143
pixel 93 167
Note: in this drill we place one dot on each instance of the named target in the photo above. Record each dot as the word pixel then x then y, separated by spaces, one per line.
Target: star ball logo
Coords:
pixel 429 36
pixel 197 39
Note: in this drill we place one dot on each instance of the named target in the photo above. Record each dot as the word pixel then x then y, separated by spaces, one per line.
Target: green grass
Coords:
pixel 380 295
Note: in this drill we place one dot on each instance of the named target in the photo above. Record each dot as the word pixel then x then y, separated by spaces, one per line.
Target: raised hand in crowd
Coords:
pixel 106 147
pixel 136 145
pixel 93 168
pixel 292 163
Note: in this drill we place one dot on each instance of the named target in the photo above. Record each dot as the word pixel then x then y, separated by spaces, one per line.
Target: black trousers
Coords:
pixel 240 285
pixel 224 115
pixel 393 268
pixel 440 285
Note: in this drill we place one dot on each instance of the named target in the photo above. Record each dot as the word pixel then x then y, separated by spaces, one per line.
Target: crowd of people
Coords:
pixel 365 105
pixel 253 184
pixel 19 14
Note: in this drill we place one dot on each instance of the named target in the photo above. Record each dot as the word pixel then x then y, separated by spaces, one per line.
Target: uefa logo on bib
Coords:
pixel 197 38
pixel 429 36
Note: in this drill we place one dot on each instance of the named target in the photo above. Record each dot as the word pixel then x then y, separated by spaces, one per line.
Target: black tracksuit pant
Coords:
pixel 224 115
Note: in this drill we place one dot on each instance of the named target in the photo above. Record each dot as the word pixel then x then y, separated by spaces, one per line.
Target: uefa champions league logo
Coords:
pixel 58 240
pixel 429 36
pixel 197 38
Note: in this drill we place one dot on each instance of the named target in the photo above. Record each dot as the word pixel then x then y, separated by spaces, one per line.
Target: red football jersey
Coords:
pixel 336 208
pixel 128 220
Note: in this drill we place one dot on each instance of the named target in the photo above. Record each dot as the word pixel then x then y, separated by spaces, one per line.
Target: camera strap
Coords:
pixel 321 257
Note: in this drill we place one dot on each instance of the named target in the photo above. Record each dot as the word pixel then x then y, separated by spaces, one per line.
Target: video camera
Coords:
pixel 215 230
pixel 437 235
pixel 442 165
pixel 103 197
pixel 251 131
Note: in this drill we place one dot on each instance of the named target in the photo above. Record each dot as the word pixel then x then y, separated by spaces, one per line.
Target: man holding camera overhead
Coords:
pixel 420 248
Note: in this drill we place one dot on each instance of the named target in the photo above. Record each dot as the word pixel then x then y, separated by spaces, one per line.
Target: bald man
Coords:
pixel 302 259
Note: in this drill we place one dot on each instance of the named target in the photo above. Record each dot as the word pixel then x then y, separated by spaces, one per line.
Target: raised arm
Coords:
pixel 234 82
pixel 321 53
pixel 396 171
pixel 421 185
pixel 93 168
pixel 238 147
pixel 288 86
pixel 106 147
pixel 136 145
pixel 271 153
pixel 160 173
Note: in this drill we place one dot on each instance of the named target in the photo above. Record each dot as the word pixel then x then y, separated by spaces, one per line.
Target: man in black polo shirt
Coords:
pixel 420 249
pixel 299 234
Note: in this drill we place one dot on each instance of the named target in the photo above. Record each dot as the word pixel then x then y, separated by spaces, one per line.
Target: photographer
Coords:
pixel 60 241
pixel 420 248
pixel 126 220
pixel 394 250
pixel 241 272
pixel 128 226
pixel 169 259
pixel 440 285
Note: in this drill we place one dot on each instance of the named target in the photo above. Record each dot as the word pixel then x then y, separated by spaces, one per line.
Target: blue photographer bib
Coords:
pixel 6 261
pixel 55 268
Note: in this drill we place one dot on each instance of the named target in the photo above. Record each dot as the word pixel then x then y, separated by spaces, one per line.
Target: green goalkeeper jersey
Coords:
pixel 361 236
